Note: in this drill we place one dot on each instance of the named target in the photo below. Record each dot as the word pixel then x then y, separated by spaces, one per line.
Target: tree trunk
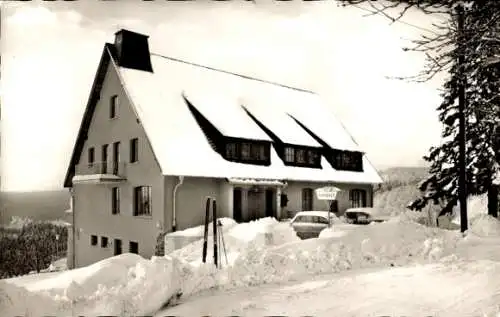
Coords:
pixel 493 200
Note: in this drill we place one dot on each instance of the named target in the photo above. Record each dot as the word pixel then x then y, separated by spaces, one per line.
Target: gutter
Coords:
pixel 174 217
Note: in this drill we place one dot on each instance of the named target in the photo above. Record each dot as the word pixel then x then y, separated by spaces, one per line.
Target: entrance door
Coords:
pixel 269 203
pixel 255 204
pixel 237 212
pixel 104 158
pixel 118 246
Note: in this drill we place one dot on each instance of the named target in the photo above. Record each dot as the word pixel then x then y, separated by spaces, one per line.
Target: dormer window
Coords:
pixel 247 152
pixel 302 156
pixel 347 161
pixel 113 105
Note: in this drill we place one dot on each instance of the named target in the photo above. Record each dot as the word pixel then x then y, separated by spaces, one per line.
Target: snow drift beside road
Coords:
pixel 237 238
pixel 124 284
pixel 259 252
pixel 485 226
pixel 198 231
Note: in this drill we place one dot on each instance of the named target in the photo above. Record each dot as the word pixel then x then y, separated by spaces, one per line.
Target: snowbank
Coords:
pixel 122 285
pixel 485 225
pixel 337 230
pixel 179 239
pixel 237 238
pixel 199 230
pixel 58 265
pixel 17 301
pixel 476 206
pixel 384 244
pixel 394 243
pixel 259 252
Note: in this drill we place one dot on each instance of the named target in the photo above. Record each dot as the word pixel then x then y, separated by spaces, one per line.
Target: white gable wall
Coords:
pixel 93 202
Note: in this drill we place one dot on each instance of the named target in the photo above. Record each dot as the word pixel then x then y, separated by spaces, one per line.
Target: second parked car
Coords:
pixel 308 224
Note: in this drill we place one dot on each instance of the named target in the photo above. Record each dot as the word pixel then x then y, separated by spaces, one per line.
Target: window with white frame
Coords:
pixel 289 154
pixel 357 197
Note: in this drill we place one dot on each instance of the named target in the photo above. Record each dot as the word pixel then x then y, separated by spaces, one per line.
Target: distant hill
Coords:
pixel 43 205
pixel 399 188
pixel 400 176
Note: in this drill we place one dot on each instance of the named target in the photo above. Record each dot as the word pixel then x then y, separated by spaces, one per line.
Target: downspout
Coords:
pixel 174 218
pixel 73 227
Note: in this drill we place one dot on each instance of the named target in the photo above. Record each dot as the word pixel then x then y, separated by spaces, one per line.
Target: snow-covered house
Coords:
pixel 159 135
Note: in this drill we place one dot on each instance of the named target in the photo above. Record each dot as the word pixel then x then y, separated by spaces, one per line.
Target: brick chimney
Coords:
pixel 132 50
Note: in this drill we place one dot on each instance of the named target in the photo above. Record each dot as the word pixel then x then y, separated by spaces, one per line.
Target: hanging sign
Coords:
pixel 327 193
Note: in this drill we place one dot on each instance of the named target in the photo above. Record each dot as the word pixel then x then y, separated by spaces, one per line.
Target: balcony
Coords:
pixel 100 173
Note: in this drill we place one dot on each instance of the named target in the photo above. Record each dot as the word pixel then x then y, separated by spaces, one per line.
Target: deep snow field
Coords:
pixel 394 268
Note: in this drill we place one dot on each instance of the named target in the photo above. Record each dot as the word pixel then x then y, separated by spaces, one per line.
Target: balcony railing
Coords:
pixel 102 168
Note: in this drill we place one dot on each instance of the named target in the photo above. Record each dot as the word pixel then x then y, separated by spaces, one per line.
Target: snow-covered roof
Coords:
pixel 220 108
pixel 96 178
pixel 319 213
pixel 180 146
pixel 219 96
pixel 252 181
pixel 278 121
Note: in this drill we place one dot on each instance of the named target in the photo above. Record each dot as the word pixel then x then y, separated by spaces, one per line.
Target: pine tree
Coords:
pixel 481 45
pixel 482 113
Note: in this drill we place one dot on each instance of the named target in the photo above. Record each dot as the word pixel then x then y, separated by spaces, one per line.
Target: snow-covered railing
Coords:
pixel 102 168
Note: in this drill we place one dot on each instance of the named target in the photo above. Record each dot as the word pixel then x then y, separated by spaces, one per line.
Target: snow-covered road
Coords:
pixel 460 288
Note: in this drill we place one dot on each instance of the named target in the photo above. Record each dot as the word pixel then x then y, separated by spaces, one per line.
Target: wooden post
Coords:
pixel 493 206
pixel 462 176
pixel 214 221
pixel 205 234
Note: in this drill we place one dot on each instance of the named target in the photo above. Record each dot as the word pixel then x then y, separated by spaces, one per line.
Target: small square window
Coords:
pixel 133 247
pixel 93 240
pixel 104 242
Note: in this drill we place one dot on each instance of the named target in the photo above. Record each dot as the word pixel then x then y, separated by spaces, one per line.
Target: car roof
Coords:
pixel 362 209
pixel 314 213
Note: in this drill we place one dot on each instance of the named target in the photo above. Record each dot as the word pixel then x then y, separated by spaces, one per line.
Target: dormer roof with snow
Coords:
pixel 168 93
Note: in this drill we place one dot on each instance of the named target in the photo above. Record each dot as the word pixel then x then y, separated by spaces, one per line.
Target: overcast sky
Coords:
pixel 50 52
